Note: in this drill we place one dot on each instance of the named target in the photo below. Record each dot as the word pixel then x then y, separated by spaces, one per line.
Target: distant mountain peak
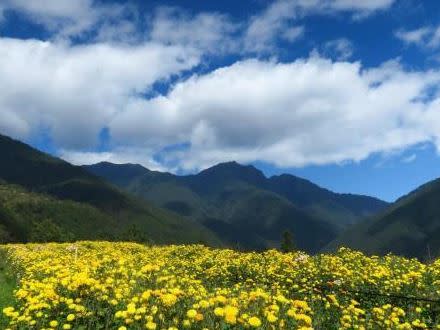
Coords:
pixel 232 165
pixel 124 172
pixel 127 165
pixel 234 170
pixel 287 177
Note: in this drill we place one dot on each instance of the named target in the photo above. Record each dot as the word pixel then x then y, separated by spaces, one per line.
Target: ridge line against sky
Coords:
pixel 342 92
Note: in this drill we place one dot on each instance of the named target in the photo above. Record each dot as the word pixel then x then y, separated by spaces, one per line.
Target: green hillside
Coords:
pixel 410 227
pixel 26 216
pixel 79 204
pixel 244 207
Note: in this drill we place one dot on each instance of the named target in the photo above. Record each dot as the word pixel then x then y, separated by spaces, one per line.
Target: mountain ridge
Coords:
pixel 41 174
pixel 225 194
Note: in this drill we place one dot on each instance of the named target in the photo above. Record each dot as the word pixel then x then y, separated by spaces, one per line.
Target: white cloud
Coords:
pixel 311 111
pixel 356 5
pixel 48 8
pixel 211 32
pixel 426 37
pixel 67 18
pixel 417 36
pixel 75 90
pixel 264 28
pixel 435 40
pixel 293 33
pixel 341 49
pixel 281 16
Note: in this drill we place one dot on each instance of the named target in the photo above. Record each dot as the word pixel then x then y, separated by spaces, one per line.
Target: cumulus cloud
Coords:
pixel 311 111
pixel 73 90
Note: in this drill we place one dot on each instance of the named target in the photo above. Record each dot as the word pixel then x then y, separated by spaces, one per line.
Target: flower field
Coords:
pixel 101 285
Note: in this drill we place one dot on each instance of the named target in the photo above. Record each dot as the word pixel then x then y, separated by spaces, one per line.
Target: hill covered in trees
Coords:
pixel 409 227
pixel 39 190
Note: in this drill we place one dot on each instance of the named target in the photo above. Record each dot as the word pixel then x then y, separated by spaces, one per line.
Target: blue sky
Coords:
pixel 342 92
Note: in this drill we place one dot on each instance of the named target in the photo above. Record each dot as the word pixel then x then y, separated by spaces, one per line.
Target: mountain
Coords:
pixel 51 187
pixel 410 227
pixel 341 210
pixel 244 207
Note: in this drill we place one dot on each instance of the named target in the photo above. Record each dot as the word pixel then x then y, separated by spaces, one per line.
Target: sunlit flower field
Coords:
pixel 102 285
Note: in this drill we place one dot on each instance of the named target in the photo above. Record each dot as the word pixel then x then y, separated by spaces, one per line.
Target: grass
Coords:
pixel 7 286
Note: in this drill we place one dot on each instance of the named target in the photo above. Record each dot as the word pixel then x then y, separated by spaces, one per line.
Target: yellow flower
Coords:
pixel 150 325
pixel 254 322
pixel 169 299
pixel 153 285
pixel 231 319
pixel 8 310
pixel 291 312
pixel 191 313
pixel 230 313
pixel 131 308
pixel 271 318
pixel 219 311
pixel 305 319
pixel 204 304
pixel 300 304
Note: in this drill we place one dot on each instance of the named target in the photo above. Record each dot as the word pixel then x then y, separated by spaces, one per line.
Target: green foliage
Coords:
pixel 46 231
pixel 287 244
pixel 5 235
pixel 7 286
pixel 26 216
pixel 134 234
pixel 29 217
